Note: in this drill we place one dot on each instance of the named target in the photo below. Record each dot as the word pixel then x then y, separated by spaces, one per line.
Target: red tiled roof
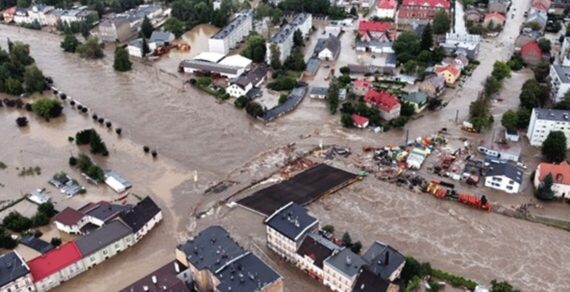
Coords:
pixel 560 172
pixel 359 120
pixel 387 4
pixel 383 99
pixel 54 260
pixel 541 4
pixel 362 83
pixel 414 12
pixel 495 16
pixel 531 48
pixel 450 67
pixel 10 10
pixel 376 26
pixel 429 3
pixel 68 216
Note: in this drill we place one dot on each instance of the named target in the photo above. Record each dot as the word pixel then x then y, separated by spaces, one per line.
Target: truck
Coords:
pixel 475 201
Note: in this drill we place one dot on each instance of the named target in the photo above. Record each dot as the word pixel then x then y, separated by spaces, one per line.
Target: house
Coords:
pixel 101 212
pixel 104 243
pixel 414 12
pixel 537 19
pixel 499 6
pixel 142 218
pixel 21 16
pixel 531 53
pixel 286 229
pixel 242 85
pixel 360 87
pixel 544 121
pixel 314 250
pixel 493 19
pixel 283 39
pixel 504 177
pixel 457 43
pixel 135 48
pixel 38 13
pixel 261 276
pixel 387 104
pixel 359 121
pixel 526 36
pixel 418 99
pixel 233 33
pixel 367 281
pixel 559 82
pixel 8 14
pixel 384 261
pixel 159 39
pixel 69 221
pixel 37 244
pixel 78 14
pixel 473 14
pixel 512 135
pixel 57 266
pixel 341 270
pixel 169 277
pixel 327 49
pixel 460 61
pixel 560 177
pixel 433 85
pixel 375 36
pixel 319 92
pixel 450 72
pixel 15 274
pixel 116 30
pixel 116 182
pixel 386 8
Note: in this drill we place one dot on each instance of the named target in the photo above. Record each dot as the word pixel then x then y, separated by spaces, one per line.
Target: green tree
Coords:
pixel 16 222
pixel 328 229
pixel 24 3
pixel 283 98
pixel 6 240
pixel 146 28
pixel 295 61
pixel 427 38
pixel 298 39
pixel 47 108
pixel 407 109
pixel 502 287
pixel 48 209
pixel 501 70
pixel 20 55
pixel 282 83
pixel 332 97
pixel 275 57
pixel 531 94
pixel 356 247
pixel 544 45
pixel 39 219
pixel 492 86
pixel 241 102
pixel 69 43
pixel 544 191
pixel 34 79
pixel 441 22
pixel 346 240
pixel 541 71
pixel 554 147
pixel 175 26
pixel 85 28
pixel 145 48
pixel 399 122
pixel 516 62
pixel 523 117
pixel 13 86
pixel 510 120
pixel 406 46
pixel 254 48
pixel 254 109
pixel 122 62
pixel 410 67
pixel 346 120
pixel 91 49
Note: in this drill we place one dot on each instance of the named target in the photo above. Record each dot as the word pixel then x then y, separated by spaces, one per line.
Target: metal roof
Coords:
pixel 246 273
pixel 319 91
pixel 295 97
pixel 12 267
pixel 241 17
pixel 235 61
pixel 102 237
pixel 331 43
pixel 209 57
pixel 552 114
pixel 291 220
pixel 209 67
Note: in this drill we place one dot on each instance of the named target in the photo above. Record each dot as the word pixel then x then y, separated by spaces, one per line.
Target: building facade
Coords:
pixel 233 33
pixel 544 121
pixel 503 177
pixel 559 82
pixel 104 243
pixel 560 177
pixel 283 39
pixel 15 274
pixel 142 218
pixel 56 266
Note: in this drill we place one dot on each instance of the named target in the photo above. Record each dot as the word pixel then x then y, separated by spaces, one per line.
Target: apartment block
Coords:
pixel 544 121
pixel 233 33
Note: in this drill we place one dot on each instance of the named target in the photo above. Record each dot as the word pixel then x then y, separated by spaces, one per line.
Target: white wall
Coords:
pixel 502 183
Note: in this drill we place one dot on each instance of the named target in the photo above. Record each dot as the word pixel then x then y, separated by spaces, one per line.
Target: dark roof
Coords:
pixel 346 262
pixel 383 260
pixel 245 15
pixel 291 220
pixel 12 267
pixel 415 97
pixel 332 43
pixel 293 99
pixel 318 248
pixel 319 90
pixel 68 216
pixel 166 280
pixel 37 244
pixel 103 210
pixel 102 237
pixel 313 65
pixel 367 281
pixel 257 74
pixel 211 249
pixel 246 273
pixel 140 214
pixel 506 169
pixel 552 114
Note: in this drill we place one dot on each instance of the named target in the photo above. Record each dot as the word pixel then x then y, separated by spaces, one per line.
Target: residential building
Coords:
pixel 69 221
pixel 360 87
pixel 327 49
pixel 169 277
pixel 8 14
pixel 135 48
pixel 559 82
pixel 493 19
pixel 283 39
pixel 314 250
pixel 319 92
pixel 560 177
pixel 142 218
pixel 286 229
pixel 104 243
pixel 360 121
pixel 450 72
pixel 15 274
pixel 251 275
pixel 78 14
pixel 499 6
pixel 57 266
pixel 565 52
pixel 124 26
pixel 116 182
pixel 38 13
pixel 544 121
pixel 433 85
pixel 375 36
pixel 418 99
pixel 233 33
pixel 367 281
pixel 89 217
pixel 116 30
pixel 159 39
pixel 21 16
pixel 242 85
pixel 504 177
pixel 419 12
pixel 527 35
pixel 457 43
pixel 384 261
pixel 341 270
pixel 473 14
pixel 460 61
pixel 385 102
pixel 531 53
pixel 537 19
pixel 386 8
pixel 54 16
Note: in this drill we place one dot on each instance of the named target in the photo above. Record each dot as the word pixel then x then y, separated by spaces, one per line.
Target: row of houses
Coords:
pixel 294 235
pixel 114 229
pixel 47 15
pixel 121 27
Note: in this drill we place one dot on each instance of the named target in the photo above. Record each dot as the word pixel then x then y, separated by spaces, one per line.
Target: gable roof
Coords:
pixel 383 260
pixel 387 4
pixel 346 262
pixel 362 83
pixel 451 68
pixel 161 36
pixel 375 26
pixel 140 214
pixel 435 80
pixel 102 237
pixel 383 99
pixel 68 216
pixel 560 172
pixel 317 248
pixel 531 48
pixel 291 220
pixel 504 169
pixel 12 267
pixel 245 274
pixel 367 281
pixel 428 3
pixel 331 43
pixel 359 120
pixel 415 97
pixel 53 261
pixel 166 277
pixel 104 210
pixel 495 16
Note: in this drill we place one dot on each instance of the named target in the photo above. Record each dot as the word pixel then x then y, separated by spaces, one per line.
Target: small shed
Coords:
pixel 116 182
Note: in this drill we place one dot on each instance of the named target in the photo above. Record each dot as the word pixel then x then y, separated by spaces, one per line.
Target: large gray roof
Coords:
pixel 211 249
pixel 508 170
pixel 139 215
pixel 246 273
pixel 289 28
pixel 102 237
pixel 241 17
pixel 383 260
pixel 346 262
pixel 331 43
pixel 292 220
pixel 12 267
pixel 563 73
pixel 552 114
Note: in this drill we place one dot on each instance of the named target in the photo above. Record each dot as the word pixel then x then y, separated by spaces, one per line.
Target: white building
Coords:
pixel 116 182
pixel 38 13
pixel 314 250
pixel 142 218
pixel 543 121
pixel 341 270
pixel 386 8
pixel 78 14
pixel 466 43
pixel 160 39
pixel 559 82
pixel 560 177
pixel 15 274
pixel 242 85
pixel 135 48
pixel 287 228
pixel 504 177
pixel 215 63
pixel 233 33
pixel 104 243
pixel 283 39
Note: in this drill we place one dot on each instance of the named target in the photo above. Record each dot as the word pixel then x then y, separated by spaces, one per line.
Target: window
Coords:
pixel 104 251
pixel 92 258
pixel 510 188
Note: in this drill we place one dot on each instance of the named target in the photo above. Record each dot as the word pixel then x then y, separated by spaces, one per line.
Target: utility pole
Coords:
pixel 407 135
pixel 456 116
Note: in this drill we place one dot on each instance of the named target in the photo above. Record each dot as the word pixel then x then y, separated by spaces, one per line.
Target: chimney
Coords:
pixel 154 280
pixel 176 267
pixel 145 288
pixel 386 258
pixel 348 261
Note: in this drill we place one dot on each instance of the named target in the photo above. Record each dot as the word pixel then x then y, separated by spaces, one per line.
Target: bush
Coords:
pixel 283 98
pixel 22 122
pixel 16 222
pixel 399 122
pixel 344 70
pixel 47 108
pixel 55 241
pixel 72 161
pixel 254 109
pixel 6 240
pixel 86 166
pixel 241 102
pixel 328 229
pixel 282 83
pixel 91 137
pixel 48 209
pixel 39 219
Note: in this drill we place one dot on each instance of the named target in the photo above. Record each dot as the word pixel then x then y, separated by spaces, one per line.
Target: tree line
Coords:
pixel 18 71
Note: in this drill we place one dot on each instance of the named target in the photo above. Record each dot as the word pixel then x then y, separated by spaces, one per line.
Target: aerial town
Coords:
pixel 284 145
